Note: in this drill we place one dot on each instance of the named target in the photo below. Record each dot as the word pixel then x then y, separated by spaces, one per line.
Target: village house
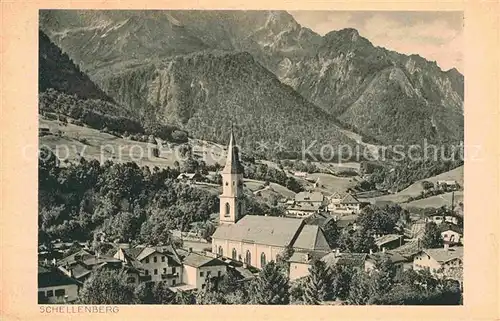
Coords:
pixel 353 260
pixel 440 260
pixel 254 239
pixel 373 259
pixel 302 210
pixel 344 204
pixel 439 219
pixel 198 267
pixel 347 222
pixel 189 177
pixel 449 185
pixel 56 287
pixel 80 265
pixel 389 241
pixel 161 263
pixel 300 174
pixel 300 262
pixel 311 198
pixel 452 236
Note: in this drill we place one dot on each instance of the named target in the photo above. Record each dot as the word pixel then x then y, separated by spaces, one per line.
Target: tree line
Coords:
pixel 342 284
pixel 123 200
pixel 106 116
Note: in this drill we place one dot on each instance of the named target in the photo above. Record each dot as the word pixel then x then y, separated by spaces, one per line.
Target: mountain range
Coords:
pixel 262 71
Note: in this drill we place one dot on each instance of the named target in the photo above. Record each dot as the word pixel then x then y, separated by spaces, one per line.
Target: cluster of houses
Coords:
pixel 246 243
pixel 307 203
pixel 183 270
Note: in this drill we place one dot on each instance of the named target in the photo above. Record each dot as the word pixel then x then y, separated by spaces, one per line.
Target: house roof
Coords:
pixel 309 197
pixel 199 260
pixel 319 219
pixel 134 252
pixel 346 220
pixel 82 254
pixel 443 255
pixel 186 175
pixel 346 259
pixel 167 250
pixel 384 239
pixel 305 207
pixel 393 257
pixel 51 276
pixel 79 270
pixel 269 230
pixel 311 237
pixel 336 195
pixel 349 199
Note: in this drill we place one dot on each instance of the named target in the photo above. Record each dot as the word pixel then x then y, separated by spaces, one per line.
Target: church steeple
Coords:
pixel 231 204
pixel 233 165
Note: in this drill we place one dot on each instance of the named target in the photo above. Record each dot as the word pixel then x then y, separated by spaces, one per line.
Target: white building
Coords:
pixel 56 287
pixel 440 260
pixel 344 204
pixel 255 239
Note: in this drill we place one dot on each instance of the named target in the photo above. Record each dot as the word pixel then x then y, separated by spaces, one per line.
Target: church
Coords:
pixel 256 239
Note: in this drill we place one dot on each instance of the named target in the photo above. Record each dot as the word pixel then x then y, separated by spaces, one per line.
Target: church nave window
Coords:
pixel 262 260
pixel 220 251
pixel 234 254
pixel 248 258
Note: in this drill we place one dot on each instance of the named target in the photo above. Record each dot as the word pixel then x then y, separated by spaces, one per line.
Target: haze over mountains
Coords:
pixel 202 70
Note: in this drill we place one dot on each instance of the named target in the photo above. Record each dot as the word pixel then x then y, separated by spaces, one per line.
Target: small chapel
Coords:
pixel 256 239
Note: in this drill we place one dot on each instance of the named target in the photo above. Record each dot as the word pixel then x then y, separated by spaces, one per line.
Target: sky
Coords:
pixel 435 35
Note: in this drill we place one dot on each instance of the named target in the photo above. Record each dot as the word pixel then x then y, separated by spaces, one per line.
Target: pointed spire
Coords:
pixel 233 165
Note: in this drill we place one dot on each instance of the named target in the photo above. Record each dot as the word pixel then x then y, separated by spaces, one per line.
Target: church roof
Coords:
pixel 233 164
pixel 311 238
pixel 269 230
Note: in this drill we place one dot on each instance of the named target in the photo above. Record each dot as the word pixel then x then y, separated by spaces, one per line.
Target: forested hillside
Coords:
pixel 205 93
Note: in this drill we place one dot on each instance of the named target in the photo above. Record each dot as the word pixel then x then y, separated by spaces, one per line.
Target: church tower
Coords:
pixel 231 203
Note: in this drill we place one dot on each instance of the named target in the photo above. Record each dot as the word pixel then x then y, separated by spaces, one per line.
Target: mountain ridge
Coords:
pixel 330 71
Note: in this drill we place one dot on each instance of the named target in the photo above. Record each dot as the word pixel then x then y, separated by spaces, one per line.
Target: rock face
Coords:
pixel 387 96
pixel 57 71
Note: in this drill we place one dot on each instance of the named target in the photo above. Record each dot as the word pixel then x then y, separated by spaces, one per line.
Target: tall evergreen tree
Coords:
pixel 107 287
pixel 154 293
pixel 210 294
pixel 341 281
pixel 432 236
pixel 270 286
pixel 332 233
pixel 359 292
pixel 318 284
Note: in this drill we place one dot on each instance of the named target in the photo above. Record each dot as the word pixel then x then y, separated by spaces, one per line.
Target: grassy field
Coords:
pixel 274 191
pixel 330 183
pixel 76 140
pixel 436 201
pixel 414 189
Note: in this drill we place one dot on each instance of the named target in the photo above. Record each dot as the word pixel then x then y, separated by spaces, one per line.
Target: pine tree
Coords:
pixel 270 286
pixel 318 284
pixel 359 292
pixel 154 293
pixel 210 294
pixel 432 236
pixel 107 287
